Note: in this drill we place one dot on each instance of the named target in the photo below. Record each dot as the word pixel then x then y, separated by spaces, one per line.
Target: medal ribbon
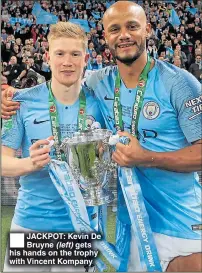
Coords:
pixel 145 242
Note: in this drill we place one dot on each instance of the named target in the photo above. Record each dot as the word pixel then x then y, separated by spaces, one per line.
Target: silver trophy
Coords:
pixel 89 157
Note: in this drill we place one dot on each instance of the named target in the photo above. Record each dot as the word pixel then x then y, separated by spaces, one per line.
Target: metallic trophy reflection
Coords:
pixel 89 157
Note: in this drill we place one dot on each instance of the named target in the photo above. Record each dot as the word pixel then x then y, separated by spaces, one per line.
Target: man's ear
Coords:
pixel 47 56
pixel 148 30
pixel 104 35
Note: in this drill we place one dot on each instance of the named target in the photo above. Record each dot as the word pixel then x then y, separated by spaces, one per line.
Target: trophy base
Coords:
pixel 98 197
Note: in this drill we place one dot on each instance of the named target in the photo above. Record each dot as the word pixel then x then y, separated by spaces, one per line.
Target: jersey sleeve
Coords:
pixel 186 99
pixel 13 131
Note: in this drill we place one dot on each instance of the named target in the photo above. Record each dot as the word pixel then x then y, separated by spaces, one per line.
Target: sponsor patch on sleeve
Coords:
pixel 195 105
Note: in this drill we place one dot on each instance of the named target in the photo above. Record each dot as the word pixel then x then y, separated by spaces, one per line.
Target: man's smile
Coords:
pixel 125 45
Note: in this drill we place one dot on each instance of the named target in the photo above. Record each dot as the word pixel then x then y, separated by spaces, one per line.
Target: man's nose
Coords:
pixel 124 34
pixel 67 61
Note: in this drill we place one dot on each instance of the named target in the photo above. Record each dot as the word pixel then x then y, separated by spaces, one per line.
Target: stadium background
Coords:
pixel 175 38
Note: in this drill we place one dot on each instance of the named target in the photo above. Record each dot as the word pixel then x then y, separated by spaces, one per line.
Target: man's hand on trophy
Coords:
pixel 8 107
pixel 39 153
pixel 129 155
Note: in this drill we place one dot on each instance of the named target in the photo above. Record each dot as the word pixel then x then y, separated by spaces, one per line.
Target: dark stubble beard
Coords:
pixel 128 60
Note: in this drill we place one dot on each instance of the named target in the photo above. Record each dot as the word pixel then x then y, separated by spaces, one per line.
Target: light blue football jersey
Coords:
pixel 39 205
pixel 170 120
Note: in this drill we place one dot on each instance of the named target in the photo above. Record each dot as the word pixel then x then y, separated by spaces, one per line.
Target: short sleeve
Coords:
pixel 13 131
pixel 186 98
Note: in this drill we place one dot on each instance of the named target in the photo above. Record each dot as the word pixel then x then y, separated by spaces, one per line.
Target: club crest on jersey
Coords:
pixel 151 110
pixel 52 109
pixel 81 111
pixel 141 83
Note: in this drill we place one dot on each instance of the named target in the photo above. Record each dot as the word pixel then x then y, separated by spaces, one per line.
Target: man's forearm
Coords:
pixel 188 159
pixel 12 166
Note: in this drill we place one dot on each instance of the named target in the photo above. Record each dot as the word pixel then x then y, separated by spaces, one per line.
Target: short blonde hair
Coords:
pixel 67 30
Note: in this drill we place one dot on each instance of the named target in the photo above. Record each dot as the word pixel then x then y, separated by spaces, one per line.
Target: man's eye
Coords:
pixel 59 53
pixel 132 27
pixel 76 54
pixel 114 29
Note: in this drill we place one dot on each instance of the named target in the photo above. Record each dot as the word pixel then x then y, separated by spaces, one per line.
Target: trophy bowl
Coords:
pixel 89 157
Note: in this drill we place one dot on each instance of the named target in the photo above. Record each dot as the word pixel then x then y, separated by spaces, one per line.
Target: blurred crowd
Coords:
pixel 23 47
